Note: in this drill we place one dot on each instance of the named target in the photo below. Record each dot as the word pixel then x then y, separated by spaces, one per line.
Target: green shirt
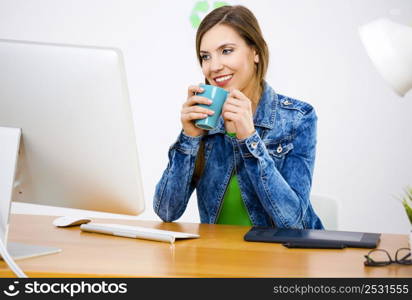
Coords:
pixel 233 210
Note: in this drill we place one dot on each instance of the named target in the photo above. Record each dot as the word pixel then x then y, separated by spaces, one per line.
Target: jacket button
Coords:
pixel 287 102
pixel 253 145
pixel 279 149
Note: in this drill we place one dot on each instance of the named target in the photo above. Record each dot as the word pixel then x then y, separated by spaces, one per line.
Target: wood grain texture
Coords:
pixel 219 252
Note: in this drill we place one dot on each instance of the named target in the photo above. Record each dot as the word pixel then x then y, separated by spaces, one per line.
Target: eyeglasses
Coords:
pixel 381 257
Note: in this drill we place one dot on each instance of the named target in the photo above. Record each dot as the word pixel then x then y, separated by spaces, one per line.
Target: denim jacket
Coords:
pixel 274 167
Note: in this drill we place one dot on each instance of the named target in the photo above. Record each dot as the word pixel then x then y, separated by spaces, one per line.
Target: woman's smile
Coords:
pixel 222 80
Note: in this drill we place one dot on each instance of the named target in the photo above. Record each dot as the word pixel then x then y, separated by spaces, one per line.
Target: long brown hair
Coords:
pixel 245 24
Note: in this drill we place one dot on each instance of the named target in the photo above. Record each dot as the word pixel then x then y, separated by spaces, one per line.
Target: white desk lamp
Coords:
pixel 389 45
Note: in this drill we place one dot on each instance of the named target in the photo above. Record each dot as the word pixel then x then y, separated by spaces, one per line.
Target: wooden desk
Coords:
pixel 220 252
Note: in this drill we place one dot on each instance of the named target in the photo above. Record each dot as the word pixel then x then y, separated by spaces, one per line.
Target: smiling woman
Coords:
pixel 256 166
pixel 241 38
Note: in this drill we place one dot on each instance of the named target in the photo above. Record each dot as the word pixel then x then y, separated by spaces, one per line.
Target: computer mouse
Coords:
pixel 68 221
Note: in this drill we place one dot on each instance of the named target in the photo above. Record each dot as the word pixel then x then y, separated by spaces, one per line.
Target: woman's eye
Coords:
pixel 227 51
pixel 205 56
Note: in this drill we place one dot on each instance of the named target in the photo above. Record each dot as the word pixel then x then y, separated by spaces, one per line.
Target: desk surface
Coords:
pixel 220 252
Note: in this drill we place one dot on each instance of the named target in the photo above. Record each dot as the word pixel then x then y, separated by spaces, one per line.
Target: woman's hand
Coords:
pixel 191 112
pixel 237 112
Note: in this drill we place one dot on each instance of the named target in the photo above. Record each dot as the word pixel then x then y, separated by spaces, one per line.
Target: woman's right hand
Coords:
pixel 191 111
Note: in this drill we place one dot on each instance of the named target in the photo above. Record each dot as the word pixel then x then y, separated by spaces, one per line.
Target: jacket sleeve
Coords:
pixel 175 187
pixel 284 195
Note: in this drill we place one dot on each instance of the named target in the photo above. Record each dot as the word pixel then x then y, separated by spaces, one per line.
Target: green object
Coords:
pixel 195 20
pixel 218 4
pixel 233 211
pixel 407 203
pixel 202 7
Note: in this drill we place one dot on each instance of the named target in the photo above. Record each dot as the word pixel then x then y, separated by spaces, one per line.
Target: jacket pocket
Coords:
pixel 278 150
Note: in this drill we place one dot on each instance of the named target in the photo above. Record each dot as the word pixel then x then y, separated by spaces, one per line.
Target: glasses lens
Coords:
pixel 378 257
pixel 403 256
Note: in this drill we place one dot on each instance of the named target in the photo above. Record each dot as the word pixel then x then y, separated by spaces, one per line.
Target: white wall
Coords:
pixel 364 143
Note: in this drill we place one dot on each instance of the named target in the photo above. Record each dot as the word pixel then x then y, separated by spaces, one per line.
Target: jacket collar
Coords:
pixel 265 112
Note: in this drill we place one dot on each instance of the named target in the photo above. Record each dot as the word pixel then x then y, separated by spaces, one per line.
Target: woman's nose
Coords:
pixel 216 65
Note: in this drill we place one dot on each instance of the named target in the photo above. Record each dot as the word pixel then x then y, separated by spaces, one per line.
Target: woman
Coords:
pixel 255 167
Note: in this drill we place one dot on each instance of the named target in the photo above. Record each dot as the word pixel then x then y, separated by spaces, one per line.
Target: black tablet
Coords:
pixel 312 238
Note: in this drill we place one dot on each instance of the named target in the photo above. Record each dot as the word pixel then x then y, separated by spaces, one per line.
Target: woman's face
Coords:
pixel 227 61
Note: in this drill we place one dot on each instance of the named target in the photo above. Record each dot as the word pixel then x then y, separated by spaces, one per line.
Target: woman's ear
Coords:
pixel 256 57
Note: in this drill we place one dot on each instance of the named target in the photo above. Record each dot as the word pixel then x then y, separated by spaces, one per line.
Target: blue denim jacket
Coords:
pixel 274 168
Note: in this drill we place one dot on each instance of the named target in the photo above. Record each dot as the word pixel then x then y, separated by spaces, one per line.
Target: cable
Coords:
pixel 10 261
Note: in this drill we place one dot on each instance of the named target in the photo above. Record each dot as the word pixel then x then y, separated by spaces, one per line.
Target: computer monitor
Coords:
pixel 78 147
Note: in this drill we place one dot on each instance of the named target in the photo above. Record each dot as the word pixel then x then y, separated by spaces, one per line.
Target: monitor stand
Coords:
pixel 9 150
pixel 20 251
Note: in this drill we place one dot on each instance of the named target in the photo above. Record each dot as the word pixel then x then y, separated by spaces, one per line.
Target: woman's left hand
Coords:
pixel 238 110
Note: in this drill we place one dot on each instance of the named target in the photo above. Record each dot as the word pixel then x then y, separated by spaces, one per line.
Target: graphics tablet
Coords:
pixel 311 238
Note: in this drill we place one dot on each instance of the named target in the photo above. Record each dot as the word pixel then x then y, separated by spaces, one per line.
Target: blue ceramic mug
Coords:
pixel 218 97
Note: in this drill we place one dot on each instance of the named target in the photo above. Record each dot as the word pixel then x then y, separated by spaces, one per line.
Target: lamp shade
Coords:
pixel 389 45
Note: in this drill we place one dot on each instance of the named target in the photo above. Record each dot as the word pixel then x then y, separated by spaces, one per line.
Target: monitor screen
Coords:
pixel 78 146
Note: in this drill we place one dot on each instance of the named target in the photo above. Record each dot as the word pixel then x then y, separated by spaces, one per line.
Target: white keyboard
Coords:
pixel 137 232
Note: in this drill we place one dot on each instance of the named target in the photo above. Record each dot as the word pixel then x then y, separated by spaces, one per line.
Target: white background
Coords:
pixel 364 154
